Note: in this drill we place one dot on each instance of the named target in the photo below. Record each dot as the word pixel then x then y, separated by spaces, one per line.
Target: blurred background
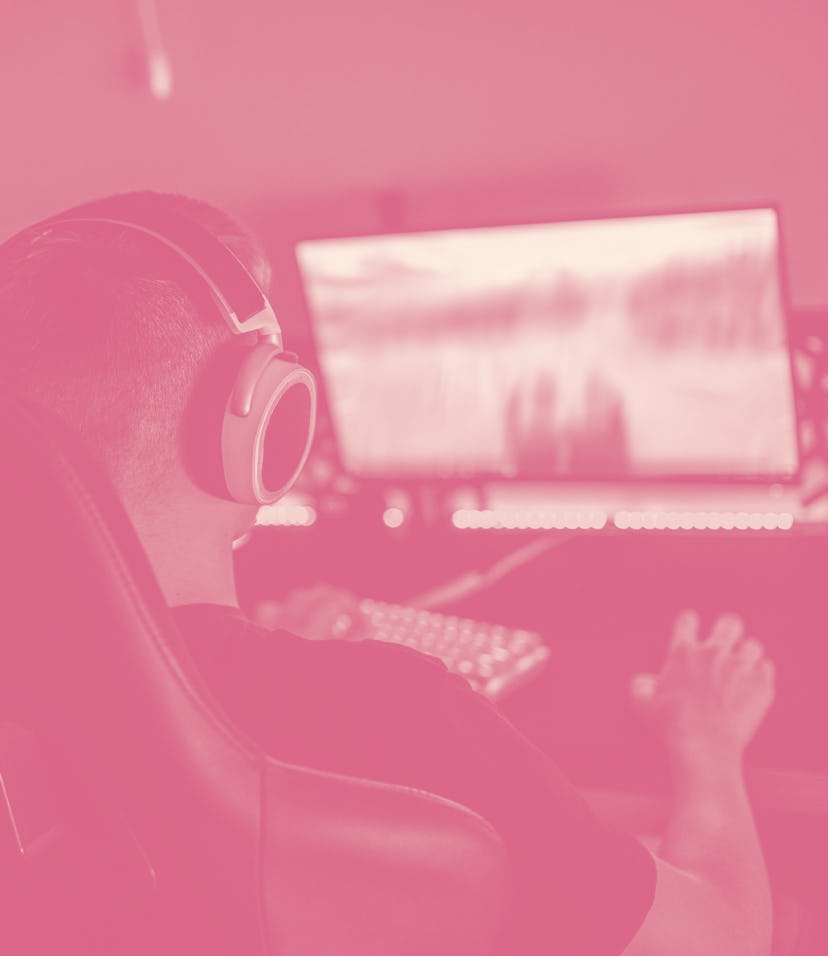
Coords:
pixel 520 109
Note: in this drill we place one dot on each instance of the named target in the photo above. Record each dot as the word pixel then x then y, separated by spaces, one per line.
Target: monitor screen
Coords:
pixel 622 348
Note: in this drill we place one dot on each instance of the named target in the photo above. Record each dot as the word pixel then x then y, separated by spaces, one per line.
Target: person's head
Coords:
pixel 115 333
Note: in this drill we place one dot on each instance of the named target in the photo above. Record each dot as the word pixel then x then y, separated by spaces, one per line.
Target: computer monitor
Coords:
pixel 648 347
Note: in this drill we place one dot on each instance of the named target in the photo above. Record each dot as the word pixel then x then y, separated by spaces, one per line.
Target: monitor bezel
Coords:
pixel 413 480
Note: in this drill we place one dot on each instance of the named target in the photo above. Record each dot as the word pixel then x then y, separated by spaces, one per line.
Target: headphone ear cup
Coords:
pixel 202 421
pixel 268 426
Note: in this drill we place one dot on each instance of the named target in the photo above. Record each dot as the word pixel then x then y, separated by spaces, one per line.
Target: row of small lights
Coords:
pixel 286 515
pixel 703 520
pixel 303 516
pixel 466 518
pixel 540 520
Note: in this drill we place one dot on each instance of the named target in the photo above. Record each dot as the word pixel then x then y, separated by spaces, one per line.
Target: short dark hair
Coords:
pixel 110 329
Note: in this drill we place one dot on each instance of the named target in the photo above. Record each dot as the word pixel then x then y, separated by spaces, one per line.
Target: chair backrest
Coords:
pixel 242 853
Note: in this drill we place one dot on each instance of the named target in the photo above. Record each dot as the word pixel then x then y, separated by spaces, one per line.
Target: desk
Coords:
pixel 605 604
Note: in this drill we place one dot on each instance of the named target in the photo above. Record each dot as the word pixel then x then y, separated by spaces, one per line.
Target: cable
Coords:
pixel 475 581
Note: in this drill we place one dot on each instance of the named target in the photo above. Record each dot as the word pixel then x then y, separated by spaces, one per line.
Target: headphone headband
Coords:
pixel 242 303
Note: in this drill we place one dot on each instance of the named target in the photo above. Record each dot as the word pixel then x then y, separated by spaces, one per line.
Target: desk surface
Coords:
pixel 605 604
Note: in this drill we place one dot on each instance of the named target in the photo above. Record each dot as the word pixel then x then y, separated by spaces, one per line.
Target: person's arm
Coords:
pixel 712 895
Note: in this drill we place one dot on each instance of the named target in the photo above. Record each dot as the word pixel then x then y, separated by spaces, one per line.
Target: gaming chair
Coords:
pixel 134 817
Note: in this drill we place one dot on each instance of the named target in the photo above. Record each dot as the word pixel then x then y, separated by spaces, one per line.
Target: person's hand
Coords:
pixel 318 613
pixel 711 695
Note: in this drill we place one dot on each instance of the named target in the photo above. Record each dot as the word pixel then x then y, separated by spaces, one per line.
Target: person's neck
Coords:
pixel 196 571
pixel 192 560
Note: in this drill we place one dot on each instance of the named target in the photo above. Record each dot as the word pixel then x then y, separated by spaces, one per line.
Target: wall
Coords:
pixel 505 108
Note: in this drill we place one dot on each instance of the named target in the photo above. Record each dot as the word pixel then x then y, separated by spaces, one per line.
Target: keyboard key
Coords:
pixel 494 659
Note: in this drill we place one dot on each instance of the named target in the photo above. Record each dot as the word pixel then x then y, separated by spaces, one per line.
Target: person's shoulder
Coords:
pixel 356 662
pixel 210 629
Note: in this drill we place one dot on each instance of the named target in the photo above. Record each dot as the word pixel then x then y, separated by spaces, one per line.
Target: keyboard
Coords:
pixel 493 659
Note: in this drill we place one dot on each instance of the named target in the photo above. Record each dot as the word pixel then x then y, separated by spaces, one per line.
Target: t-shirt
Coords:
pixel 388 713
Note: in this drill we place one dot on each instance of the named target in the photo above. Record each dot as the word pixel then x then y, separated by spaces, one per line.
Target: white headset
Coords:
pixel 270 414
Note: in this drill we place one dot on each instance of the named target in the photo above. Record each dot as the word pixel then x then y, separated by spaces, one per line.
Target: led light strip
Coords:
pixel 283 515
pixel 703 521
pixel 585 520
pixel 568 520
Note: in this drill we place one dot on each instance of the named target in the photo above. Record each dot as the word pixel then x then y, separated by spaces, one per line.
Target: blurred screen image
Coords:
pixel 641 348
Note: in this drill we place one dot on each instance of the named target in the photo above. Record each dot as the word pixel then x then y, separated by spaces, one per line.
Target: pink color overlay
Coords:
pixel 531 658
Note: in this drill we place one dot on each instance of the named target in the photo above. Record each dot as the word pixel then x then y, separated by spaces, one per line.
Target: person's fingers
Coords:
pixel 767 669
pixel 642 692
pixel 685 630
pixel 725 634
pixel 301 598
pixel 642 686
pixel 750 652
pixel 342 624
